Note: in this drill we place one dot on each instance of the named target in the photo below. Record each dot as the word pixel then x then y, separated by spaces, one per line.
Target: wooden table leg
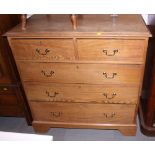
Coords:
pixel 23 20
pixel 74 21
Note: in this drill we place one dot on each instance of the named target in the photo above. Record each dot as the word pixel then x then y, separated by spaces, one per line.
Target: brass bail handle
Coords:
pixel 50 94
pixel 42 53
pixel 46 74
pixel 109 77
pixel 107 96
pixel 108 54
pixel 112 115
pixel 56 114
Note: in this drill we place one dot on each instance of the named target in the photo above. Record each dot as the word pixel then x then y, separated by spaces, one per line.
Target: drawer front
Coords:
pixel 8 100
pixel 43 49
pixel 80 73
pixel 81 93
pixel 84 113
pixel 11 101
pixel 111 50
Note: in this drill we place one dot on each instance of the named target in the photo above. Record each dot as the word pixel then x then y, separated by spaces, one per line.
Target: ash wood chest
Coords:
pixel 90 77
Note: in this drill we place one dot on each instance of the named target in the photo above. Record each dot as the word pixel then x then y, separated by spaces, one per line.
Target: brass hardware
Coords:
pixel 39 51
pixel 3 88
pixel 109 77
pixel 56 114
pixel 47 75
pixel 106 52
pixel 112 96
pixel 49 94
pixel 112 115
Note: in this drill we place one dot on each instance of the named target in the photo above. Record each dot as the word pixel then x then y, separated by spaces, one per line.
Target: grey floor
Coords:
pixel 11 124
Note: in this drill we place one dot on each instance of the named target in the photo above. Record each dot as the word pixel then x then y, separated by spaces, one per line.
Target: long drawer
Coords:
pixel 43 49
pixel 84 113
pixel 81 93
pixel 111 50
pixel 80 73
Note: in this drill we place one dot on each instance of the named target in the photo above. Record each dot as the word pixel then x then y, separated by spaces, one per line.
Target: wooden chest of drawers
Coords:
pixel 85 78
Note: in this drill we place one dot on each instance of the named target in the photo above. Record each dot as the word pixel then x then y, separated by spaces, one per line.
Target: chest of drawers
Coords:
pixel 85 78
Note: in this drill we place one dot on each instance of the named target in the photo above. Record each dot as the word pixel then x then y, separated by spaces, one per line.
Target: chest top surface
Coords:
pixel 87 25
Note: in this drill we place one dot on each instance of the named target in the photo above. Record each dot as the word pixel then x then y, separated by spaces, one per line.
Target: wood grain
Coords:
pixel 88 26
pixel 125 129
pixel 80 73
pixel 111 49
pixel 82 113
pixel 81 93
pixel 43 49
pixel 11 101
pixel 90 77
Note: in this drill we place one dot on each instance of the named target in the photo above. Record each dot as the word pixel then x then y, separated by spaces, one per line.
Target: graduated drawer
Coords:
pixel 80 73
pixel 111 50
pixel 82 113
pixel 43 49
pixel 81 93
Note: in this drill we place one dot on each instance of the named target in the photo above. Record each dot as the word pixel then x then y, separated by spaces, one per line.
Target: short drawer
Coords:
pixel 80 73
pixel 81 93
pixel 43 49
pixel 82 113
pixel 132 51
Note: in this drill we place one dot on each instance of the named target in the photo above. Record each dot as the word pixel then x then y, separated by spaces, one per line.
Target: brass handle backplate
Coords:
pixel 44 53
pixel 112 115
pixel 3 89
pixel 46 74
pixel 107 96
pixel 106 52
pixel 56 114
pixel 109 77
pixel 51 94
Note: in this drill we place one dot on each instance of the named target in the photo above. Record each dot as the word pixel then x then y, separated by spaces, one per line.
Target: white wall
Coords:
pixel 148 18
